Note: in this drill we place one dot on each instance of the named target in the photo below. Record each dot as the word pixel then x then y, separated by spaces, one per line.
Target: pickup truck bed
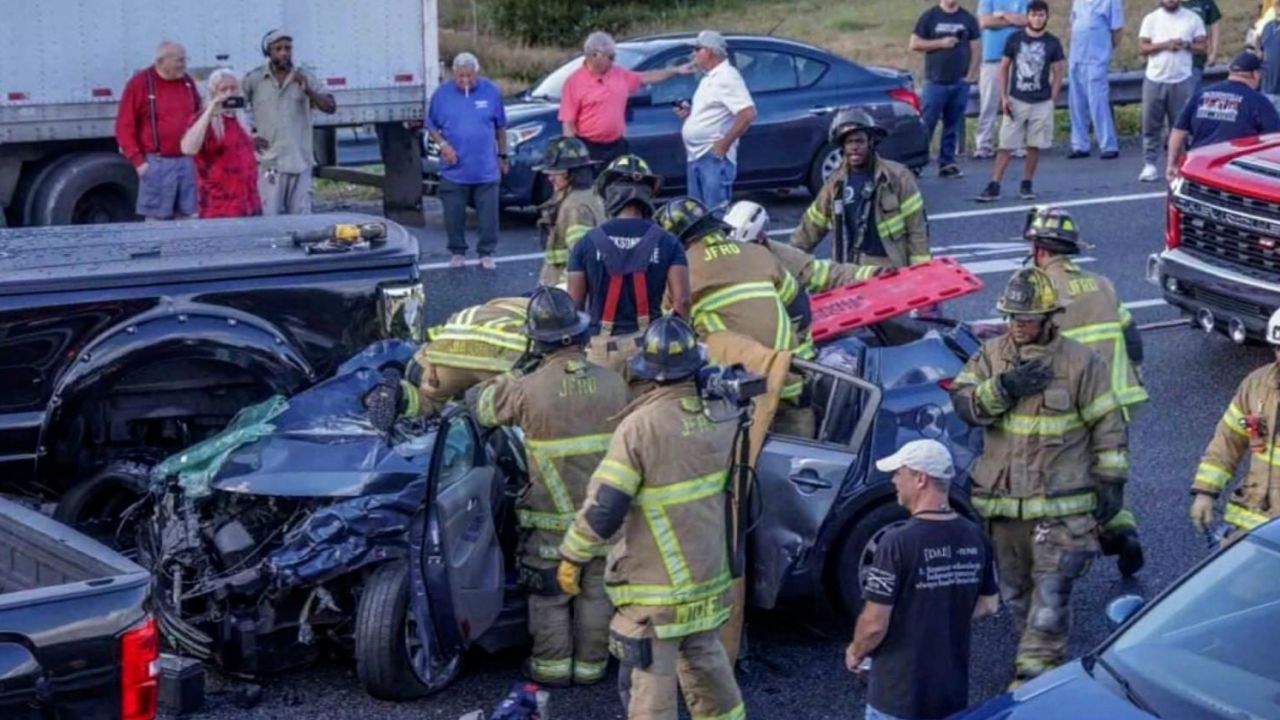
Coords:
pixel 62 258
pixel 67 604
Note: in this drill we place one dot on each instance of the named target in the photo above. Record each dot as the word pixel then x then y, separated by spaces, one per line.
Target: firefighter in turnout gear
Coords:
pixel 574 207
pixel 474 345
pixel 743 289
pixel 1053 466
pixel 1249 425
pixel 566 408
pixel 621 270
pixel 870 204
pixel 1093 316
pixel 662 488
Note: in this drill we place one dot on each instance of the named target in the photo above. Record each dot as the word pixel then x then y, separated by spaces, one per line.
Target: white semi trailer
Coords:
pixel 64 64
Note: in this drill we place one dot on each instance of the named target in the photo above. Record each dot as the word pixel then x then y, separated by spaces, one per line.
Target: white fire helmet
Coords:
pixel 1273 328
pixel 749 220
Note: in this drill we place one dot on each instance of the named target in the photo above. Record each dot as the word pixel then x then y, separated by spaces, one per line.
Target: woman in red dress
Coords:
pixel 226 169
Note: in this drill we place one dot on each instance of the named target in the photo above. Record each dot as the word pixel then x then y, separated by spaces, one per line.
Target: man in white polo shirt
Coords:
pixel 721 112
pixel 1167 39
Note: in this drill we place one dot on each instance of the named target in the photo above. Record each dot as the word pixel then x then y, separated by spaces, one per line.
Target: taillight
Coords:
pixel 139 668
pixel 908 96
pixel 1172 224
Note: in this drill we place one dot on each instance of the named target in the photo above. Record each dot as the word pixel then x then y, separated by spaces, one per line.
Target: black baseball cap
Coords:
pixel 1246 62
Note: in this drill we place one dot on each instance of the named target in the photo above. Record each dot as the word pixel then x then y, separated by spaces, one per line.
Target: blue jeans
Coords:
pixel 947 102
pixel 711 180
pixel 874 714
pixel 455 197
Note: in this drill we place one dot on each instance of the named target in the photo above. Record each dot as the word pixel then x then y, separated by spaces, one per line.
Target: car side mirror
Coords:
pixel 1122 608
pixel 635 101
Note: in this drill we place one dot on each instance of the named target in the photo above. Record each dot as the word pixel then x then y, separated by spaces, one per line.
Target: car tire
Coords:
pixel 383 621
pixel 94 506
pixel 856 551
pixel 824 163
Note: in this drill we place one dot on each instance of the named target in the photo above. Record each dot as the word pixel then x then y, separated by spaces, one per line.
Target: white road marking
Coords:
pixel 1135 305
pixel 992 247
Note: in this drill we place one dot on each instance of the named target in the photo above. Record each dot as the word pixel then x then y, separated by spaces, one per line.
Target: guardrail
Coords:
pixel 1126 88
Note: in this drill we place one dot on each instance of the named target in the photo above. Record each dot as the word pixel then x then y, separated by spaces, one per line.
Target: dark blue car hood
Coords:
pixel 1067 693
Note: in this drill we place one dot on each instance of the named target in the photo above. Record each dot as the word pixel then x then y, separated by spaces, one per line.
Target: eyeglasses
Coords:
pixel 610 55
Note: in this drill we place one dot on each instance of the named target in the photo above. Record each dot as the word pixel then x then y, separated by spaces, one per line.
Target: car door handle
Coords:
pixel 810 480
pixel 821 110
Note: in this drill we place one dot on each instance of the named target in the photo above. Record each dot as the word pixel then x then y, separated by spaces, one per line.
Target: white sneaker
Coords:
pixel 1149 173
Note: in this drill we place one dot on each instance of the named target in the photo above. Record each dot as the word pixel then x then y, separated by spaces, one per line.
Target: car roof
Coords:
pixel 1269 531
pixel 655 43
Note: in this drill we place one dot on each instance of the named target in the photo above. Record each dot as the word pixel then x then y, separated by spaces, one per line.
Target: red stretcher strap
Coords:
pixel 839 311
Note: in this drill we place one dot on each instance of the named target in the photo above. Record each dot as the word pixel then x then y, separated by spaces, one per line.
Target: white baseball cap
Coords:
pixel 927 456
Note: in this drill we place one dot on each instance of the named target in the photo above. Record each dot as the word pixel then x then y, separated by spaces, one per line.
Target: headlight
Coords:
pixel 521 134
pixel 402 311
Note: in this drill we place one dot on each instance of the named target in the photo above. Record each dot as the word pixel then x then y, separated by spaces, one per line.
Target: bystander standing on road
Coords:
pixel 948 35
pixel 1211 16
pixel 928 578
pixel 1223 111
pixel 281 97
pixel 1031 80
pixel 999 19
pixel 1096 26
pixel 466 119
pixel 721 112
pixel 1168 36
pixel 1269 51
pixel 593 103
pixel 157 106
pixel 226 169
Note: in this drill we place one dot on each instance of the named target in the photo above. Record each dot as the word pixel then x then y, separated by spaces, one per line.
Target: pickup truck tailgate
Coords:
pixel 65 603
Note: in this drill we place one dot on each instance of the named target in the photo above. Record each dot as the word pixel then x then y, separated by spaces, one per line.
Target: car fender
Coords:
pixel 195 330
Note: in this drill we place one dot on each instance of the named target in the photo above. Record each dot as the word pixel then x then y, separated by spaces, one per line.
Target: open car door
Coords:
pixel 462 558
pixel 799 479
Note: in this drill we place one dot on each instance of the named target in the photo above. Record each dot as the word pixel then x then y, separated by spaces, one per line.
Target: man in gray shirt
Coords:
pixel 281 97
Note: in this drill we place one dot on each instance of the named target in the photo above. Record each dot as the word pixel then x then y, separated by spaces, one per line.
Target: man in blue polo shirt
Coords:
pixel 1223 111
pixel 999 19
pixel 620 272
pixel 467 121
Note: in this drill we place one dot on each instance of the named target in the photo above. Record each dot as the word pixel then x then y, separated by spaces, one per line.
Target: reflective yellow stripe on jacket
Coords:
pixel 704 310
pixel 1113 332
pixel 896 224
pixel 1242 517
pixel 1035 507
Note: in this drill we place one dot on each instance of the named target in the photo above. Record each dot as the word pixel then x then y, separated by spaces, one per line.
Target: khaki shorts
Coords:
pixel 1031 125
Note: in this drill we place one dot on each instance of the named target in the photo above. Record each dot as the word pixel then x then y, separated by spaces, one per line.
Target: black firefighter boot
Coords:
pixel 1124 544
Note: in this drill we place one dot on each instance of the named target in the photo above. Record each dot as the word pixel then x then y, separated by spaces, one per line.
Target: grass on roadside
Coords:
pixel 334 192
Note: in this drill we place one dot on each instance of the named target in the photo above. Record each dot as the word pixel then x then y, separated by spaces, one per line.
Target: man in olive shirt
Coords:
pixel 1210 15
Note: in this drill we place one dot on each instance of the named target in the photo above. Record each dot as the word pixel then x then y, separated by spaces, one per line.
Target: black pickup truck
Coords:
pixel 120 344
pixel 75 641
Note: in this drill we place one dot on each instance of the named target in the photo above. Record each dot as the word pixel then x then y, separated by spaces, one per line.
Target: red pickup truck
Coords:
pixel 1221 261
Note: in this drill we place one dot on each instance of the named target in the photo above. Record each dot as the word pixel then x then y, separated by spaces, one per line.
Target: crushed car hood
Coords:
pixel 322 444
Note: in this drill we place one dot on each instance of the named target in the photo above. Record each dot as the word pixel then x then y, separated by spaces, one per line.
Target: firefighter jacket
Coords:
pixel 482 337
pixel 1249 425
pixel 818 275
pixel 1044 454
pixel 896 209
pixel 566 409
pixel 663 484
pixel 1095 317
pixel 742 288
pixel 577 213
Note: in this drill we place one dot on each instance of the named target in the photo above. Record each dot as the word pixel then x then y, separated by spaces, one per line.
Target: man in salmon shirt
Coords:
pixel 593 103
pixel 156 108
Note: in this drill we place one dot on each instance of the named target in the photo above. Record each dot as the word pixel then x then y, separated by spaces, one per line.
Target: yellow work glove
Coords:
pixel 569 577
pixel 1202 511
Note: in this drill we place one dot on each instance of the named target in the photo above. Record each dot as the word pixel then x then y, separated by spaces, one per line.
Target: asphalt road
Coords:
pixel 797 671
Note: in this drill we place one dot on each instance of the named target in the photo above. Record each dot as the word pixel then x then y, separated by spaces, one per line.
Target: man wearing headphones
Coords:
pixel 280 97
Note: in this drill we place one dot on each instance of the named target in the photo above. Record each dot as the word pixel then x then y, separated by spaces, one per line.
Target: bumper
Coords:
pixel 1216 298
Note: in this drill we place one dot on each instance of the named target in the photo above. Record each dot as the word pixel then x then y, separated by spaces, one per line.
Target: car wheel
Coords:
pixel 390 660
pixel 95 507
pixel 857 551
pixel 824 163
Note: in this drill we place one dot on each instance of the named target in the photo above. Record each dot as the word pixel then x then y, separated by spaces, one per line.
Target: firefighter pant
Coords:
pixel 441 383
pixel 614 351
pixel 696 664
pixel 571 632
pixel 1039 561
pixel 553 274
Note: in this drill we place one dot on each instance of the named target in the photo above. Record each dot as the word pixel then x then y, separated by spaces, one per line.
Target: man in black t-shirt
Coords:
pixel 1031 76
pixel 1223 111
pixel 928 579
pixel 949 37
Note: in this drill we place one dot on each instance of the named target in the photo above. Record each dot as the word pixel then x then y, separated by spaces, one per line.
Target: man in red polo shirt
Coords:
pixel 593 104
